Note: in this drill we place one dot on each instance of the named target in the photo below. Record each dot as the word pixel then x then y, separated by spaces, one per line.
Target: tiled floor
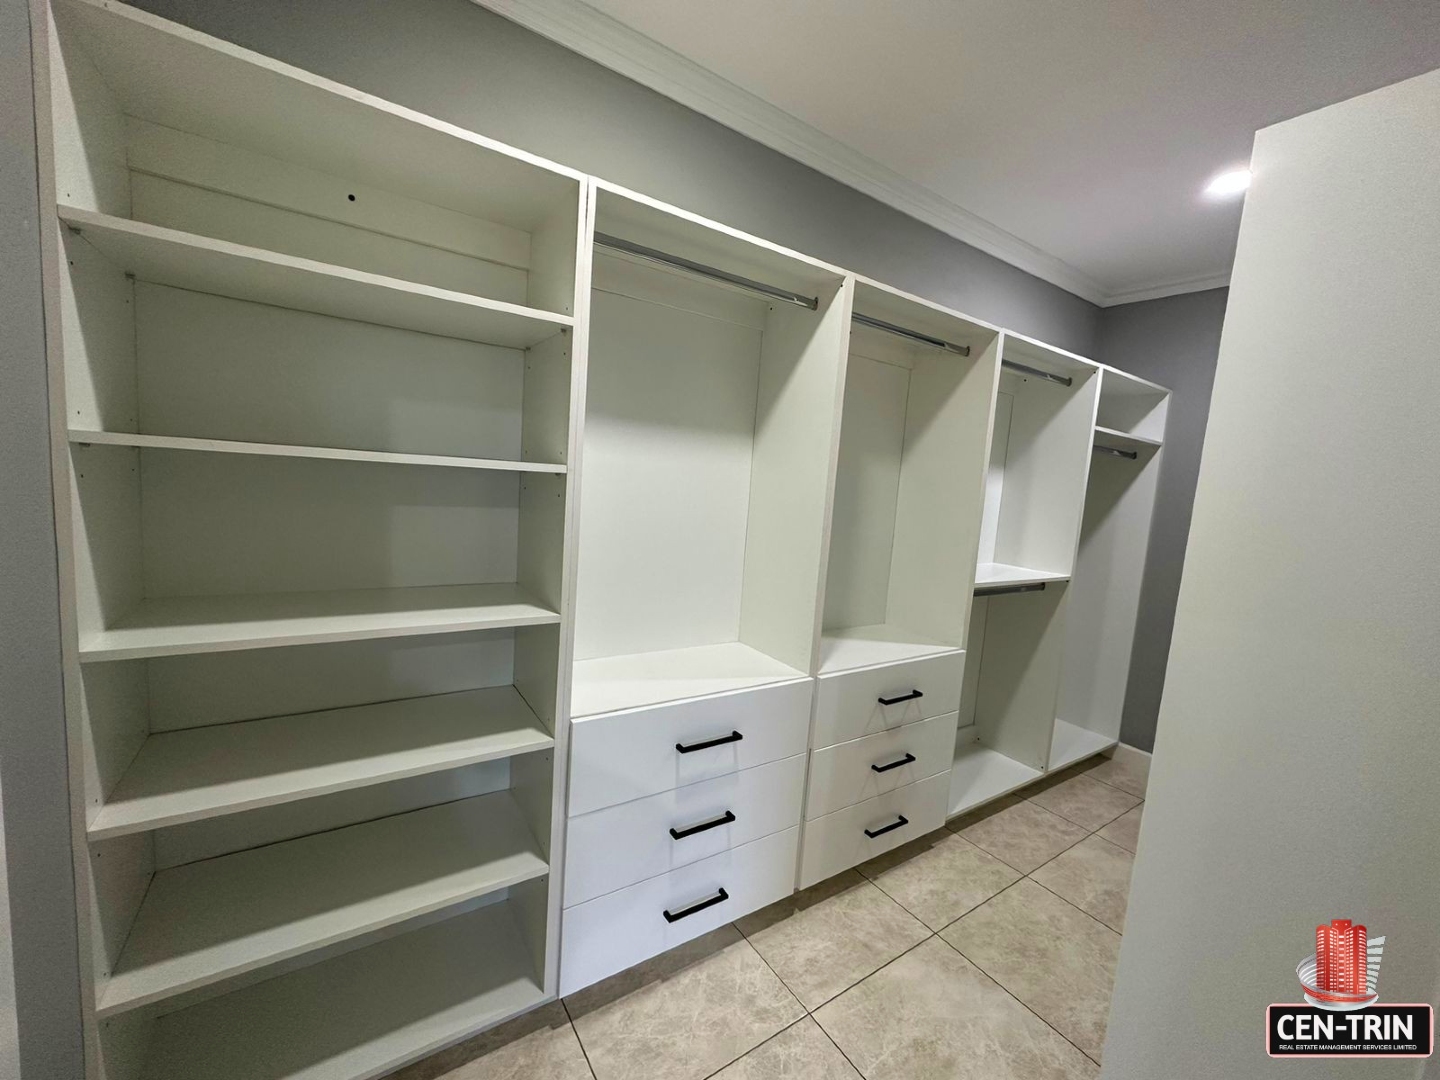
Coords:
pixel 985 951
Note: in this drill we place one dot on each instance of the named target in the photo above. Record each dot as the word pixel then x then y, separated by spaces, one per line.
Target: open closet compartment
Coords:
pixel 1105 594
pixel 316 361
pixel 1039 450
pixel 709 418
pixel 909 482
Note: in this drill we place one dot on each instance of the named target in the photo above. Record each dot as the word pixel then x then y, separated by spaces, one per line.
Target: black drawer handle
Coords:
pixel 734 736
pixel 902 820
pixel 911 696
pixel 710 901
pixel 705 826
pixel 906 760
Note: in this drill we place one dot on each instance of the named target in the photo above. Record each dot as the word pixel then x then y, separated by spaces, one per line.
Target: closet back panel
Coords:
pixel 669 437
pixel 1105 595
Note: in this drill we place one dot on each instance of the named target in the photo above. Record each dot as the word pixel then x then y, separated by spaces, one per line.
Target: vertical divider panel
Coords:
pixel 802 385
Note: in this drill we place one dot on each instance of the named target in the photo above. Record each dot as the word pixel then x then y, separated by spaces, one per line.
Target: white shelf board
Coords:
pixel 1123 440
pixel 180 625
pixel 980 774
pixel 868 646
pixel 216 919
pixel 1072 743
pixel 611 683
pixel 361 1014
pixel 202 264
pixel 992 574
pixel 328 453
pixel 204 772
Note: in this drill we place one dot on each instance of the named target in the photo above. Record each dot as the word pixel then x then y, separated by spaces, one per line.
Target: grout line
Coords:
pixel 757 1046
pixel 1080 909
pixel 777 975
pixel 583 1052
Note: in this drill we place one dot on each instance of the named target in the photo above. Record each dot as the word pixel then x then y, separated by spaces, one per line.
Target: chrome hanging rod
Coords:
pixel 773 292
pixel 1063 380
pixel 913 335
pixel 1003 590
pixel 1115 452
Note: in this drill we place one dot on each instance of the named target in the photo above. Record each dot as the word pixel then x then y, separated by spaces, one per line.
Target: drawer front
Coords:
pixel 847 703
pixel 628 755
pixel 620 845
pixel 862 768
pixel 622 928
pixel 838 841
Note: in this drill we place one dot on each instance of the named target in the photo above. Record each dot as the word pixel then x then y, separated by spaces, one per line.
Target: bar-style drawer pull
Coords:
pixel 705 826
pixel 911 696
pixel 734 736
pixel 906 760
pixel 901 819
pixel 710 901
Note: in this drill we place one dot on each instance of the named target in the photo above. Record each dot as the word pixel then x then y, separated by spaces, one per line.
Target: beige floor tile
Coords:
pixel 541 1045
pixel 684 1014
pixel 1023 834
pixel 1128 772
pixel 1094 875
pixel 970 817
pixel 800 1052
pixel 1049 954
pixel 1084 801
pixel 932 1015
pixel 829 937
pixel 1124 831
pixel 939 877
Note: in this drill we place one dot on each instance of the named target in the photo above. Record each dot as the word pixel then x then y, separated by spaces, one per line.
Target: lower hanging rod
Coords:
pixel 1116 452
pixel 679 262
pixel 1003 590
pixel 913 335
pixel 1063 380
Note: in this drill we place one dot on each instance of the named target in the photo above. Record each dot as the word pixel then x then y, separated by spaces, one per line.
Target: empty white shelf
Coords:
pixel 174 626
pixel 630 681
pixel 992 574
pixel 867 646
pixel 1123 440
pixel 208 921
pixel 187 261
pixel 1073 743
pixel 361 1014
pixel 204 772
pixel 328 453
pixel 980 774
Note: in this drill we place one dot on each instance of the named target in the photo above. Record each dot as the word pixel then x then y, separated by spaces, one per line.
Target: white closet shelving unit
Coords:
pixel 314 360
pixel 1104 598
pixel 324 371
pixel 1034 495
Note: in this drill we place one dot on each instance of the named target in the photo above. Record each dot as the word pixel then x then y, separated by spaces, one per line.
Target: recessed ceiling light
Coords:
pixel 1228 184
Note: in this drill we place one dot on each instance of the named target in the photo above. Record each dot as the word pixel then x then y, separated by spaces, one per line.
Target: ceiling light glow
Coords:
pixel 1229 184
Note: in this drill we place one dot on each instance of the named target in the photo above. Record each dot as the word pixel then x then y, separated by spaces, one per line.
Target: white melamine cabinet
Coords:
pixel 327 375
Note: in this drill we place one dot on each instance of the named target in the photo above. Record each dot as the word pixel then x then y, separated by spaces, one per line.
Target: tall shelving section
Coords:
pixel 713 394
pixel 314 360
pixel 1039 456
pixel 1104 600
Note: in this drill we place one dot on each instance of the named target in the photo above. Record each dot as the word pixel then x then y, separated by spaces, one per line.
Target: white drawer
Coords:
pixel 620 845
pixel 622 928
pixel 840 840
pixel 860 769
pixel 848 703
pixel 619 756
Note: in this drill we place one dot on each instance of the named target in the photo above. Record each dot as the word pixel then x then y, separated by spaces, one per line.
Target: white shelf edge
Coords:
pixel 1017 575
pixel 118 816
pixel 1124 439
pixel 226 446
pixel 513 858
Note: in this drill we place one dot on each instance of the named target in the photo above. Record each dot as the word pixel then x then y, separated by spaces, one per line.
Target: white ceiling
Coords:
pixel 1070 138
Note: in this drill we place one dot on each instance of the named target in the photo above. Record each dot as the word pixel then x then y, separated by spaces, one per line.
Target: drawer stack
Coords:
pixel 682 817
pixel 884 738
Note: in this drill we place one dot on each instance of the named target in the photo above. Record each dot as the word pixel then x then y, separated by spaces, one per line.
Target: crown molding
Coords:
pixel 593 34
pixel 1170 288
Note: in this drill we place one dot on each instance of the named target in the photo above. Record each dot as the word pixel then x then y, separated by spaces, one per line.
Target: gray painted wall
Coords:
pixel 1175 342
pixel 36 800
